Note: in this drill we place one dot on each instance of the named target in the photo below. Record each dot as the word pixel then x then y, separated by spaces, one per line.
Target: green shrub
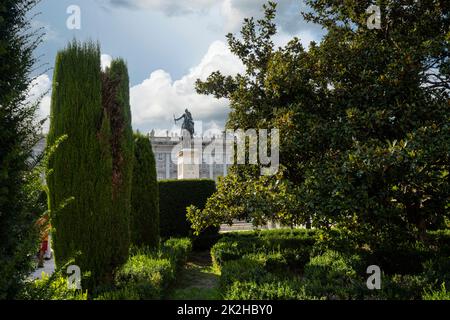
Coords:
pixel 441 294
pixel 144 225
pixel 241 270
pixel 440 240
pixel 437 270
pixel 149 276
pixel 273 262
pixel 149 273
pixel 250 278
pixel 294 245
pixel 399 287
pixel 331 276
pixel 174 197
pixel 224 251
pixel 269 288
pixel 177 250
pixel 53 287
pixel 336 240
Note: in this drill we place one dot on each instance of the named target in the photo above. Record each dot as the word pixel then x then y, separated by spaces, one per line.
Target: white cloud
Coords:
pixel 39 88
pixel 105 60
pixel 157 99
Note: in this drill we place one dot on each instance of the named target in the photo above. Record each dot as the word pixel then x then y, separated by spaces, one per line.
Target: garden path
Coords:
pixel 199 280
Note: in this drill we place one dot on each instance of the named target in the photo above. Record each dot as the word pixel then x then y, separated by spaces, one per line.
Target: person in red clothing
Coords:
pixel 44 227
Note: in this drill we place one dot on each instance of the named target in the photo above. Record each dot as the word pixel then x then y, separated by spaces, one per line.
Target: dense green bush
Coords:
pixel 52 287
pixel 268 288
pixel 437 270
pixel 332 276
pixel 441 294
pixel 258 265
pixel 174 197
pixel 89 176
pixel 399 287
pixel 244 269
pixel 440 240
pixel 148 273
pixel 294 245
pixel 177 250
pixel 144 224
pixel 272 262
pixel 260 276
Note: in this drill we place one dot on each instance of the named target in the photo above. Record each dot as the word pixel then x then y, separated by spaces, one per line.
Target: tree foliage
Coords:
pixel 20 191
pixel 116 102
pixel 363 117
pixel 145 196
pixel 89 176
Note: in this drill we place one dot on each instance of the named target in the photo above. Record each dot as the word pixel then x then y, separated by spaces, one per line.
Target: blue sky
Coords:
pixel 167 45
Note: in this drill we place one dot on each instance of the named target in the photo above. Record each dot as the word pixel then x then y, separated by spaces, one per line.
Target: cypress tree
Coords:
pixel 144 197
pixel 116 102
pixel 90 173
pixel 18 134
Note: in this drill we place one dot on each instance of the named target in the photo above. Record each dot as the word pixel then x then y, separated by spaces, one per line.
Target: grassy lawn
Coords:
pixel 198 280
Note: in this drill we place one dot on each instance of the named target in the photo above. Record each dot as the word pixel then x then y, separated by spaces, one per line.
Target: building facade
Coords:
pixel 166 166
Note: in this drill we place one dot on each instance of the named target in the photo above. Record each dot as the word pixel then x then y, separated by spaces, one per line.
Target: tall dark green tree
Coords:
pixel 90 173
pixel 144 195
pixel 363 117
pixel 18 134
pixel 116 101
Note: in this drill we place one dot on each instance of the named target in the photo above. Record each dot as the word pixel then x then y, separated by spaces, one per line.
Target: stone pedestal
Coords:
pixel 188 164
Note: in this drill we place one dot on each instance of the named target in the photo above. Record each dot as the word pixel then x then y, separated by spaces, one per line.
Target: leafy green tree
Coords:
pixel 89 177
pixel 20 192
pixel 276 82
pixel 384 171
pixel 144 196
pixel 363 118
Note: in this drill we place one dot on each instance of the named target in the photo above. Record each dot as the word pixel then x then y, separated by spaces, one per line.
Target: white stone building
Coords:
pixel 166 167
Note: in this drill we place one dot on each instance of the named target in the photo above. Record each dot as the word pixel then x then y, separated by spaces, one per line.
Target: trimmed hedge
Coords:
pixel 293 246
pixel 144 195
pixel 332 276
pixel 249 279
pixel 149 275
pixel 271 288
pixel 174 197
pixel 259 265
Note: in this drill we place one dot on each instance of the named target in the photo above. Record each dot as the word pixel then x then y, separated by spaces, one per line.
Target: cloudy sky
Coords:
pixel 168 44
